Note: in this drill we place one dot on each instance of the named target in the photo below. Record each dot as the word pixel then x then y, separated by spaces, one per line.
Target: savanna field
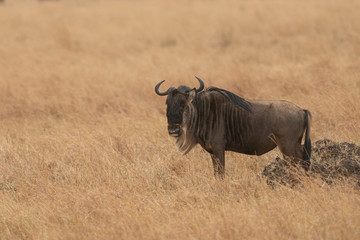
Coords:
pixel 84 148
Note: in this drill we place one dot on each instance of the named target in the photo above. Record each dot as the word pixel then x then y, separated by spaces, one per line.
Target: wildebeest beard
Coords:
pixel 197 112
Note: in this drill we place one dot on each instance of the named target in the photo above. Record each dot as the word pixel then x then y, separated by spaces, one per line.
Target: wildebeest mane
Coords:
pixel 238 101
pixel 210 109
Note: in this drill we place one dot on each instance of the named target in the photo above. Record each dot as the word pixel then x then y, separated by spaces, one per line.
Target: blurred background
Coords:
pixel 72 57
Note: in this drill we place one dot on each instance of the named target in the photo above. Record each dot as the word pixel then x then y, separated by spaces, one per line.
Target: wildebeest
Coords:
pixel 221 121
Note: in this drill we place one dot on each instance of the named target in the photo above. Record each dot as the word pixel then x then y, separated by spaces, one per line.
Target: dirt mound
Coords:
pixel 330 161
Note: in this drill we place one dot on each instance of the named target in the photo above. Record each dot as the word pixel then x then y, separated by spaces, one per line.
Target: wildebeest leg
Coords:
pixel 218 160
pixel 294 150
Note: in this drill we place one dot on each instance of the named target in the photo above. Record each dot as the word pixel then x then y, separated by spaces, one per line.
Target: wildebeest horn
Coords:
pixel 201 84
pixel 161 93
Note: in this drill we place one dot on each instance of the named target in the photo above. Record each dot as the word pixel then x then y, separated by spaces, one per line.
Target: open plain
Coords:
pixel 84 149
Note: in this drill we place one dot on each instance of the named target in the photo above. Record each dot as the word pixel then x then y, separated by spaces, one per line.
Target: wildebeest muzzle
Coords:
pixel 174 130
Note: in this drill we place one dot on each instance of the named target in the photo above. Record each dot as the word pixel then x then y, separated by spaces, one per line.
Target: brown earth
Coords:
pixel 330 161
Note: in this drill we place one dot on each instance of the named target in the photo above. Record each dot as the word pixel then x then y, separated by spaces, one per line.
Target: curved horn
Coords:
pixel 161 93
pixel 201 84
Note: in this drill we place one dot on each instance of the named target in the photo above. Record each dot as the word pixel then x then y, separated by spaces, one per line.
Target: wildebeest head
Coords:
pixel 177 100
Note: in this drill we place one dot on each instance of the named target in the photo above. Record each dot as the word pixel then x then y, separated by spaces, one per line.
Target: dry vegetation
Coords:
pixel 84 150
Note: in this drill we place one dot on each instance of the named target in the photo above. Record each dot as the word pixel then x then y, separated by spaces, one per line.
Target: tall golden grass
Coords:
pixel 84 150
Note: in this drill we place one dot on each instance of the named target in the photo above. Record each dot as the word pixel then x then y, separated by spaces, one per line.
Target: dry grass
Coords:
pixel 84 151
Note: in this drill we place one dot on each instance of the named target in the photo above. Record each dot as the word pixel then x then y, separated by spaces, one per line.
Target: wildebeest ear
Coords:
pixel 191 95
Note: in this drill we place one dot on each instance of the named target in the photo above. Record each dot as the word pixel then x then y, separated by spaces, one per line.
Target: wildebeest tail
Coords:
pixel 307 143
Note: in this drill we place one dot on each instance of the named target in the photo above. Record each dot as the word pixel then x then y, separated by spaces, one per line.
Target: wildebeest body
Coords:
pixel 221 121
